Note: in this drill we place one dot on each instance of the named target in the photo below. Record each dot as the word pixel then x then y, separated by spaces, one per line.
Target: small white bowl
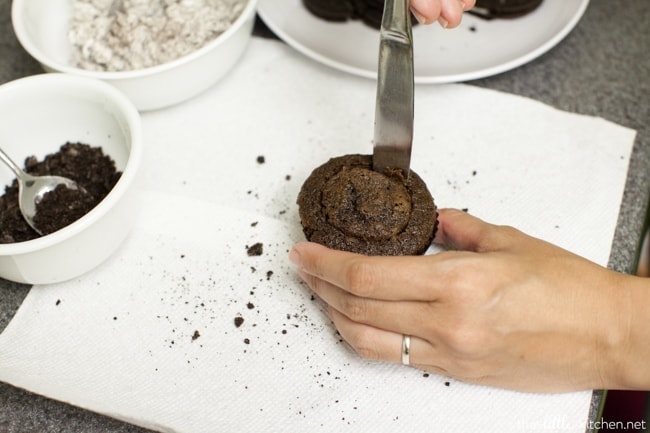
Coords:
pixel 41 27
pixel 39 114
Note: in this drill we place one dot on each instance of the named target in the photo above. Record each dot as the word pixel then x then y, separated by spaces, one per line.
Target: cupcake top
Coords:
pixel 346 205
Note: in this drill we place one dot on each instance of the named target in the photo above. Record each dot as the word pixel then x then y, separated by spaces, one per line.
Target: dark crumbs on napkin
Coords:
pixel 192 314
pixel 230 314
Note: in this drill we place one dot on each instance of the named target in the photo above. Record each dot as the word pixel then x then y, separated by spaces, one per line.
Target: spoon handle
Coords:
pixel 11 164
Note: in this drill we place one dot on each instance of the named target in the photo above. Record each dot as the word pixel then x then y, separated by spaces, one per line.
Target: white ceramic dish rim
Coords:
pixel 265 13
pixel 128 172
pixel 18 21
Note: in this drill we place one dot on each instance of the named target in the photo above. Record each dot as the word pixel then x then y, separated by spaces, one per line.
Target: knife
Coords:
pixel 394 106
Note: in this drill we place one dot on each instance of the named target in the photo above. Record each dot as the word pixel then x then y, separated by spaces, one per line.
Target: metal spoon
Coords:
pixel 31 189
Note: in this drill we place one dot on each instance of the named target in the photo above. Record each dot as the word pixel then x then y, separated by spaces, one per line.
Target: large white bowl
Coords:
pixel 39 114
pixel 41 27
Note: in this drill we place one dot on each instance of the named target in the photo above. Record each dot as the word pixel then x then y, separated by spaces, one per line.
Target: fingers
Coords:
pixel 369 342
pixel 381 345
pixel 410 278
pixel 451 13
pixel 448 13
pixel 468 4
pixel 459 230
pixel 426 11
pixel 407 317
pixel 390 278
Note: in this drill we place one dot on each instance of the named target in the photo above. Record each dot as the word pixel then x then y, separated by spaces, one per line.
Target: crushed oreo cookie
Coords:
pixel 88 166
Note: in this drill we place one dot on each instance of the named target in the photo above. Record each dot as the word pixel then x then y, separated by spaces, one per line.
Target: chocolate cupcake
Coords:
pixel 504 8
pixel 346 205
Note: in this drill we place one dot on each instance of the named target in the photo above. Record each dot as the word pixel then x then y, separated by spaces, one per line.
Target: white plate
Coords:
pixel 475 49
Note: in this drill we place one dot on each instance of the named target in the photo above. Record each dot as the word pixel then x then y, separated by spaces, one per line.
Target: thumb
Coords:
pixel 459 230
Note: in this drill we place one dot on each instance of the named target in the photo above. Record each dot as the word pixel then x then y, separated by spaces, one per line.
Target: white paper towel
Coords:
pixel 150 336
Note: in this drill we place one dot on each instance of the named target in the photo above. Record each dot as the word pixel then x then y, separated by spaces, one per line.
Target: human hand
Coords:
pixel 447 12
pixel 501 308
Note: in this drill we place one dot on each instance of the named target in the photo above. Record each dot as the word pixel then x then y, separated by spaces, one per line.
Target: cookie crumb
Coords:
pixel 256 249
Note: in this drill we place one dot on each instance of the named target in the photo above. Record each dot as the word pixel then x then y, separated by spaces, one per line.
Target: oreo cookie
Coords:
pixel 369 12
pixel 490 9
pixel 330 10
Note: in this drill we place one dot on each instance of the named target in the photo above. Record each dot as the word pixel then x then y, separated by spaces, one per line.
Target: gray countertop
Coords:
pixel 602 69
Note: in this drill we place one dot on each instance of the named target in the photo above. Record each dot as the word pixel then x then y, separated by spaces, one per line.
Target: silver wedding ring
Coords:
pixel 406 349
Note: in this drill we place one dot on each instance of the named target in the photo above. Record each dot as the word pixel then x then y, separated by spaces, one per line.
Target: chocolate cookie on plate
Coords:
pixel 371 12
pixel 346 205
pixel 368 11
pixel 504 8
pixel 330 10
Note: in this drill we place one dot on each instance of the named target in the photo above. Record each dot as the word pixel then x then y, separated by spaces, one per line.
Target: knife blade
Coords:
pixel 393 135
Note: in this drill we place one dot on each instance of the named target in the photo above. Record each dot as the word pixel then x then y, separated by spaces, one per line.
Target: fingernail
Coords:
pixel 418 16
pixel 443 22
pixel 463 5
pixel 294 258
